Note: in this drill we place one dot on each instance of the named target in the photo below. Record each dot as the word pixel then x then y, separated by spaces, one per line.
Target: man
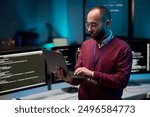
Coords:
pixel 104 59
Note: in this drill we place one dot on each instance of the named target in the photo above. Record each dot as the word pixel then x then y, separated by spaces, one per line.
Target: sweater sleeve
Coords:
pixel 78 64
pixel 120 78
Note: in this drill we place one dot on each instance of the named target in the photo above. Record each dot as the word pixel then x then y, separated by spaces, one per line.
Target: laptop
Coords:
pixel 54 59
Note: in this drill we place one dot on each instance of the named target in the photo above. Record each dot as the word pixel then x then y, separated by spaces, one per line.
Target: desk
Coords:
pixel 129 93
pixel 57 94
pixel 136 92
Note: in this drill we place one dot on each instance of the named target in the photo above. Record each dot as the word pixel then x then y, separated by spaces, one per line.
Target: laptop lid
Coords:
pixel 54 59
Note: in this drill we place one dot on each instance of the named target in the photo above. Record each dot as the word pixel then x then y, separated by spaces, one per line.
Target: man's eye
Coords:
pixel 93 24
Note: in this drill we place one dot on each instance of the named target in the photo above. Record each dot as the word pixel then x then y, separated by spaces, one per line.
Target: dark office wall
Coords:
pixel 24 15
pixel 75 20
pixel 49 18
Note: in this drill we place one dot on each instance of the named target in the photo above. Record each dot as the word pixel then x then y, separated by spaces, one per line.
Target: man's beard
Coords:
pixel 98 38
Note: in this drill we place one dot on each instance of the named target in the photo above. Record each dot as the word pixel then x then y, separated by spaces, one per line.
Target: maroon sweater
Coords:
pixel 111 73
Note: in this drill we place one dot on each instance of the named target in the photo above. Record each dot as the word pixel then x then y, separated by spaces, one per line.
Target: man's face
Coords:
pixel 95 25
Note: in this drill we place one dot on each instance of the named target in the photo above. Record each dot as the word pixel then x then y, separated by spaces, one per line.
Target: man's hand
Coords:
pixel 61 74
pixel 83 71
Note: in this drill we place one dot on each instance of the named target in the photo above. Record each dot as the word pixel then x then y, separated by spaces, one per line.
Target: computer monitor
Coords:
pixel 21 69
pixel 141 57
pixel 141 20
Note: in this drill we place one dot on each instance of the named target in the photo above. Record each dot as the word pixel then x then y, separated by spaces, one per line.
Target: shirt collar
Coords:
pixel 105 41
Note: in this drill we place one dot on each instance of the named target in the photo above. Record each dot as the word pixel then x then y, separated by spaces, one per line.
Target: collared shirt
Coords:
pixel 105 41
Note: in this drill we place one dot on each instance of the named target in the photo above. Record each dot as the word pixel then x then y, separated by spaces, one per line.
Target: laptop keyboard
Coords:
pixel 76 76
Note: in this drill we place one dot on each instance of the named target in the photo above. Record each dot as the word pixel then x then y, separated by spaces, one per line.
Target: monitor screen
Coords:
pixel 119 12
pixel 20 70
pixel 141 19
pixel 141 57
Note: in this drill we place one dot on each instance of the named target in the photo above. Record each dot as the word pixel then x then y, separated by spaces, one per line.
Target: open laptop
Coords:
pixel 54 59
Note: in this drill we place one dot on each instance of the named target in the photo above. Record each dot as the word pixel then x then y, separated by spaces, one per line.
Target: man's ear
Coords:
pixel 107 23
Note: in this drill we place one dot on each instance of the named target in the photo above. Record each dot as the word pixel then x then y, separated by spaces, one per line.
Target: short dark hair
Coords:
pixel 105 12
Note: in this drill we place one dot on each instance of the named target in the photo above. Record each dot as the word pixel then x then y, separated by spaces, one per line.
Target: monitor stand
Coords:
pixel 70 89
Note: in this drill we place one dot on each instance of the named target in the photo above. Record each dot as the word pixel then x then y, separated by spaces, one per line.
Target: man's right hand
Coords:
pixel 61 74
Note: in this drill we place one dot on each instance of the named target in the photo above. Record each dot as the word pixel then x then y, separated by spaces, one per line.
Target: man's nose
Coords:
pixel 89 30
